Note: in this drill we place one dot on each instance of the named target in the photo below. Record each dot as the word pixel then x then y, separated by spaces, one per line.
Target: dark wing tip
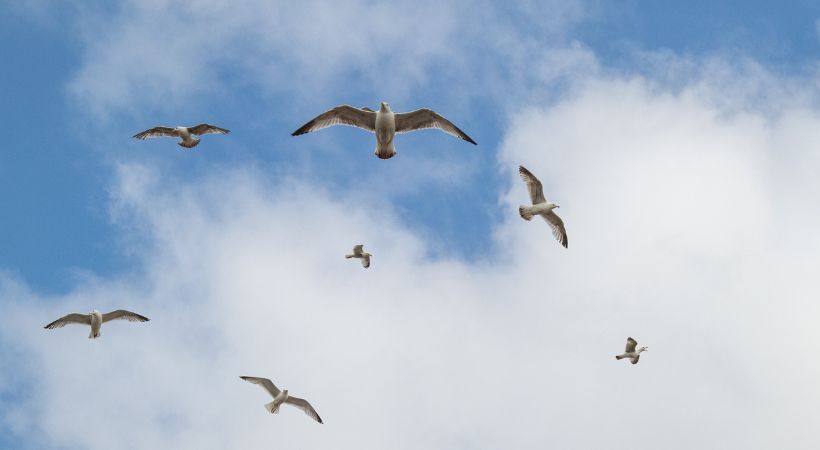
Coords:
pixel 319 419
pixel 470 140
pixel 303 129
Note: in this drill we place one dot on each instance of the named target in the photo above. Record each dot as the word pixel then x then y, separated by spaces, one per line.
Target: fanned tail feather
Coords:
pixel 525 212
pixel 269 407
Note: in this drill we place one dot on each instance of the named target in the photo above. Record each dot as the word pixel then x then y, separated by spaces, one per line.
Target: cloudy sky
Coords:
pixel 680 139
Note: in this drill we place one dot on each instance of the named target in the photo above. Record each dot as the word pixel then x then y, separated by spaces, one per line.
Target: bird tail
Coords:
pixel 525 212
pixel 193 144
pixel 93 335
pixel 271 409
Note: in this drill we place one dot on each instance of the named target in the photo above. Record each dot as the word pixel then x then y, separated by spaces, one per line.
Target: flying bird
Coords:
pixel 384 123
pixel 631 353
pixel 280 397
pixel 358 252
pixel 541 207
pixel 187 135
pixel 95 319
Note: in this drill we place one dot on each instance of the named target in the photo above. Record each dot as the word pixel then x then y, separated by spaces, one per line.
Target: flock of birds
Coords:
pixel 384 123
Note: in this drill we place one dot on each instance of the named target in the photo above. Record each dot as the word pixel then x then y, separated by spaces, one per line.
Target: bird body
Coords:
pixel 358 252
pixel 95 319
pixel 541 207
pixel 632 352
pixel 384 123
pixel 385 132
pixel 187 135
pixel 273 407
pixel 186 139
pixel 281 397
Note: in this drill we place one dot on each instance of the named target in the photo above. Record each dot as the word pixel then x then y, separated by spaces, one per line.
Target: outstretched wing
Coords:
pixel 366 261
pixel 631 344
pixel 557 226
pixel 635 359
pixel 157 132
pixel 82 319
pixel 305 406
pixel 265 383
pixel 533 186
pixel 340 115
pixel 358 249
pixel 427 118
pixel 124 315
pixel 205 128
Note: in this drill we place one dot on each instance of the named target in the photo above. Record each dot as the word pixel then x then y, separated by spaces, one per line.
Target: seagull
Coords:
pixel 384 123
pixel 358 252
pixel 95 319
pixel 541 207
pixel 280 397
pixel 631 352
pixel 185 134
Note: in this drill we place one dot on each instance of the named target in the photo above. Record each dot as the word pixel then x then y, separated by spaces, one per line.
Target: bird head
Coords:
pixel 384 106
pixel 643 349
pixel 94 311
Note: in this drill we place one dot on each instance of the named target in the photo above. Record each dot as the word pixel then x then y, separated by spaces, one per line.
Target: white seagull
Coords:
pixel 95 319
pixel 384 123
pixel 541 207
pixel 280 397
pixel 187 135
pixel 631 353
pixel 358 252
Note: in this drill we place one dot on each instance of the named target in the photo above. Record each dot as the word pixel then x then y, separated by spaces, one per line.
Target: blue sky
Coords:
pixel 92 214
pixel 56 171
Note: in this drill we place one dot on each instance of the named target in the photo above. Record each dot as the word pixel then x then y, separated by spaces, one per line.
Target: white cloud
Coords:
pixel 691 228
pixel 149 54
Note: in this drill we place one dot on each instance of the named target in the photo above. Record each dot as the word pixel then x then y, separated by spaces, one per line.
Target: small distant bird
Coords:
pixel 280 397
pixel 541 207
pixel 358 252
pixel 631 353
pixel 384 122
pixel 187 135
pixel 95 319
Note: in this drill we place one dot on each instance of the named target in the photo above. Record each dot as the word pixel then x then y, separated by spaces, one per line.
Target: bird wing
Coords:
pixel 557 226
pixel 427 118
pixel 265 383
pixel 157 132
pixel 635 359
pixel 83 319
pixel 125 315
pixel 358 249
pixel 305 406
pixel 340 115
pixel 534 186
pixel 205 128
pixel 631 344
pixel 366 261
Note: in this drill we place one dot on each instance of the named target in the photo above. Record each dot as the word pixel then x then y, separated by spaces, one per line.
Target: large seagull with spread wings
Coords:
pixel 384 123
pixel 280 397
pixel 95 319
pixel 187 135
pixel 541 207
